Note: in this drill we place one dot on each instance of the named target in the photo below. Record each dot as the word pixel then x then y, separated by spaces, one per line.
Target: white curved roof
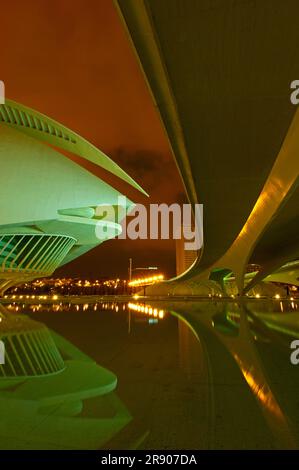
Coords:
pixel 47 130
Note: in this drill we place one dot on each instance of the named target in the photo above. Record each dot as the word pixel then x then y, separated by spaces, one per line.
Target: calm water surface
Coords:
pixel 185 375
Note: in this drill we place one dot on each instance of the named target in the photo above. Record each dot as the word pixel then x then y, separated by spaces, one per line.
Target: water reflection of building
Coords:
pixel 138 308
pixel 53 396
pixel 189 356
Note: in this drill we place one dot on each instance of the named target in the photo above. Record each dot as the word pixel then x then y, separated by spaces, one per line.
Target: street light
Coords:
pixel 146 281
pixel 131 269
pixel 142 282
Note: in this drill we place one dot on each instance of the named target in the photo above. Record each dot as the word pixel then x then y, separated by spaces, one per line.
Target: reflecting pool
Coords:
pixel 100 374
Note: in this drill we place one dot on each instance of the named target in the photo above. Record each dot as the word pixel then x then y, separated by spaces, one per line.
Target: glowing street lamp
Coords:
pixel 141 282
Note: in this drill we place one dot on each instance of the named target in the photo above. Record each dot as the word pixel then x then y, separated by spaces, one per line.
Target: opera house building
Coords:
pixel 48 201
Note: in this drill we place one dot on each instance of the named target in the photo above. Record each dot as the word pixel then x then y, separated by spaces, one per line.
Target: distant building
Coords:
pixel 184 258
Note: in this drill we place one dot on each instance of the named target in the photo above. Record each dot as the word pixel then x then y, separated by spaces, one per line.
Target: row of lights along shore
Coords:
pixel 54 297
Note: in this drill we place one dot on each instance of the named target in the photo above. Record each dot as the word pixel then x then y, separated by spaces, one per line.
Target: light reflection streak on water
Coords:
pixel 139 308
pixel 243 350
pixel 260 390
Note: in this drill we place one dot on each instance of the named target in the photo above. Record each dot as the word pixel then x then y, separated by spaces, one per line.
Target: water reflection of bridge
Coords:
pixel 235 356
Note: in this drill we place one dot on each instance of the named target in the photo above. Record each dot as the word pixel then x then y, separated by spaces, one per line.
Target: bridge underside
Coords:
pixel 220 75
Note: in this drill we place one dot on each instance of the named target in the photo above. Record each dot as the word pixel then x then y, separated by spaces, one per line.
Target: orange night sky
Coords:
pixel 72 60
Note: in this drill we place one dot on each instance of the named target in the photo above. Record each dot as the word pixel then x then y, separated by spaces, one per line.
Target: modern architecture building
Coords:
pixel 52 210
